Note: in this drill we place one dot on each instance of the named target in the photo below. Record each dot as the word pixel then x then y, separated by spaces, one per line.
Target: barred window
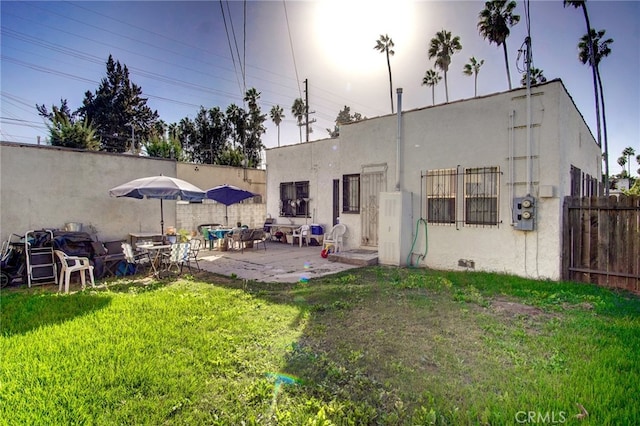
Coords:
pixel 293 199
pixel 351 194
pixel 441 196
pixel 481 196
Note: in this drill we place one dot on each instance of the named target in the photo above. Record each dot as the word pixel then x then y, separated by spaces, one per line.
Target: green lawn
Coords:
pixel 372 346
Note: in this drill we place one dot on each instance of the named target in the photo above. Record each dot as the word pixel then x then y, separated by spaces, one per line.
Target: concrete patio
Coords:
pixel 281 262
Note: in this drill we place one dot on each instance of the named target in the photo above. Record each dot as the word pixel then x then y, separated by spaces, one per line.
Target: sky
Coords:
pixel 185 55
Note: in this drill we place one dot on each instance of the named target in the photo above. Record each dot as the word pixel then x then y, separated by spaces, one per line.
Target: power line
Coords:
pixel 293 55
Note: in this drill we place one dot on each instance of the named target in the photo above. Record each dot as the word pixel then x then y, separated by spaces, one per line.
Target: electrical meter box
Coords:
pixel 524 213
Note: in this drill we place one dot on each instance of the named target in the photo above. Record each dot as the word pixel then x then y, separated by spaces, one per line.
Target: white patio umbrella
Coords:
pixel 160 187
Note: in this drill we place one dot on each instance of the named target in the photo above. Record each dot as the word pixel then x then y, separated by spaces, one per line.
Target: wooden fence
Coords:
pixel 601 241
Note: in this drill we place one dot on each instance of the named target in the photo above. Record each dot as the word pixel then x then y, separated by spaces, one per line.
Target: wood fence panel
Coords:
pixel 601 241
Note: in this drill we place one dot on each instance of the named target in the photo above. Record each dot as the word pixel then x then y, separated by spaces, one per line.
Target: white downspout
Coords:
pixel 399 138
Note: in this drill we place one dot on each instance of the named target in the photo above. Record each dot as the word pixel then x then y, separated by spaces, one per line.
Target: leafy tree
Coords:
pixel 117 110
pixel 255 129
pixel 66 130
pixel 536 75
pixel 344 117
pixel 431 78
pixel 298 110
pixel 63 110
pixel 495 20
pixel 442 46
pixel 473 68
pixel 79 134
pixel 385 45
pixel 277 114
pixel 161 147
pixel 204 138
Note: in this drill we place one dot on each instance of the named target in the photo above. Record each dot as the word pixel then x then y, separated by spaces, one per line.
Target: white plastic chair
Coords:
pixel 302 233
pixel 71 264
pixel 334 238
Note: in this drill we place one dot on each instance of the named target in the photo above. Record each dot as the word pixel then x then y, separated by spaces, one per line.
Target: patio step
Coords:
pixel 358 257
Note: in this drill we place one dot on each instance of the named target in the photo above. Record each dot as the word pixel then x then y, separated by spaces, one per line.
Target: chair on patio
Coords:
pixel 334 238
pixel 177 256
pixel 194 249
pixel 259 236
pixel 267 227
pixel 71 264
pixel 136 259
pixel 302 233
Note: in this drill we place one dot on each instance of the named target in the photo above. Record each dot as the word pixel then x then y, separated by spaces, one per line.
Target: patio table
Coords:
pixel 155 252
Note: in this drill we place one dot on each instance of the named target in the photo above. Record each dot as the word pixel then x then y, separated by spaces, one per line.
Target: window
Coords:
pixel 481 196
pixel 441 196
pixel 351 194
pixel 293 199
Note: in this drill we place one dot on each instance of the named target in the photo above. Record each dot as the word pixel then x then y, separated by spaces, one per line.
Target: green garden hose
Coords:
pixel 426 243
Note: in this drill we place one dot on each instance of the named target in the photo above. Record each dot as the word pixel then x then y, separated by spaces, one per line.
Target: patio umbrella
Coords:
pixel 227 195
pixel 161 187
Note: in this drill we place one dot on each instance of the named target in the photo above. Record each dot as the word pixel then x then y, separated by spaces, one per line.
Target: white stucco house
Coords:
pixel 476 183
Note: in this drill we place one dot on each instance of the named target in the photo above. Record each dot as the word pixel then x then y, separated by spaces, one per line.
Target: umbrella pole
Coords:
pixel 161 219
pixel 226 218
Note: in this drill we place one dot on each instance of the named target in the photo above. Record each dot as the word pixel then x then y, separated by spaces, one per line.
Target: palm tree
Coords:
pixel 583 5
pixel 591 50
pixel 431 78
pixel 442 46
pixel 277 114
pixel 625 159
pixel 385 45
pixel 535 74
pixel 473 68
pixel 495 20
pixel 298 110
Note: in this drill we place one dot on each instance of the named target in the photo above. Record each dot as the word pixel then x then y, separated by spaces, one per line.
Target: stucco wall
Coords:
pixel 46 187
pixel 480 132
pixel 317 162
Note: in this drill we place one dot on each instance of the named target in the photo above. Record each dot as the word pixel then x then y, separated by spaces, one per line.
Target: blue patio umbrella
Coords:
pixel 160 187
pixel 227 195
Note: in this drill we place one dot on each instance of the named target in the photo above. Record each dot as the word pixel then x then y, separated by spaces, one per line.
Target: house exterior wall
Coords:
pixel 47 187
pixel 490 131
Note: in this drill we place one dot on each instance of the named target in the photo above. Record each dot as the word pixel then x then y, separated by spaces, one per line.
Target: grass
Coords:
pixel 371 346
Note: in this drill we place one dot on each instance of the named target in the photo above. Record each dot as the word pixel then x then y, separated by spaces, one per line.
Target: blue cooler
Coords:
pixel 317 229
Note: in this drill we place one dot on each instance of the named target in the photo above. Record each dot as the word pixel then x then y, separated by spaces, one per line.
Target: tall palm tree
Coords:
pixel 277 114
pixel 535 74
pixel 625 159
pixel 298 110
pixel 385 45
pixel 473 68
pixel 431 78
pixel 592 48
pixel 495 20
pixel 442 46
pixel 591 59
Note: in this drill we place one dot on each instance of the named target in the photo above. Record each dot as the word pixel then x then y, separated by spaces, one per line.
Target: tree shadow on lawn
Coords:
pixel 23 309
pixel 22 312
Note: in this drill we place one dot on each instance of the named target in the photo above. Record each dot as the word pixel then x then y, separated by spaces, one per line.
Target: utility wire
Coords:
pixel 293 55
pixel 226 29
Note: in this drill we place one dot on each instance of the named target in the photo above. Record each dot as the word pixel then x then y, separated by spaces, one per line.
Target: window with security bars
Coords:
pixel 351 193
pixel 441 196
pixel 293 199
pixel 481 195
